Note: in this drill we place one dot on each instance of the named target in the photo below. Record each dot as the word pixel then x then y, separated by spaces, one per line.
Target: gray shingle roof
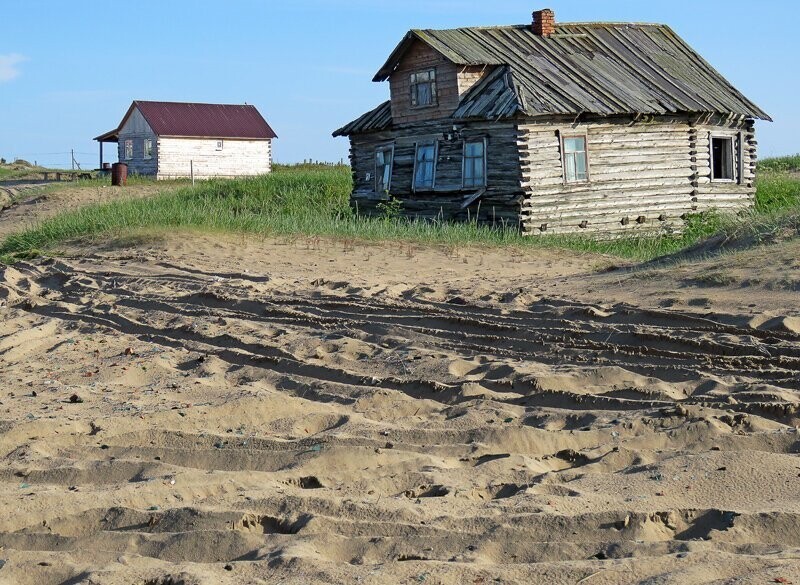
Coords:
pixel 378 119
pixel 589 68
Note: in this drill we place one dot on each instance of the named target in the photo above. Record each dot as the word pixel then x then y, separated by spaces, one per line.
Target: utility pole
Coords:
pixel 72 156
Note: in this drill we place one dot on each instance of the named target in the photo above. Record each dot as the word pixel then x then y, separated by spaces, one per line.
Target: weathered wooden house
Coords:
pixel 555 128
pixel 172 140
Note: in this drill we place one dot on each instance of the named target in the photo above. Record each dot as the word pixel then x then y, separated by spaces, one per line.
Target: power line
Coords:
pixel 67 153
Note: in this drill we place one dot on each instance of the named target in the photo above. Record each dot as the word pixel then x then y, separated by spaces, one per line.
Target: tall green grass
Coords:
pixel 314 201
pixel 782 164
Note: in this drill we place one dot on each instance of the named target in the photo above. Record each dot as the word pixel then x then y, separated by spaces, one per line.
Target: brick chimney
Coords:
pixel 544 22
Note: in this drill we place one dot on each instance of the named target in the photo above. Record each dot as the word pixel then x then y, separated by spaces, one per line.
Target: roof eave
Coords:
pixel 394 58
pixel 412 36
pixel 115 133
pixel 204 137
pixel 110 136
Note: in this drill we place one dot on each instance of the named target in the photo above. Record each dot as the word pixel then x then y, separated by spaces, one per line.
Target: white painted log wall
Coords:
pixel 238 158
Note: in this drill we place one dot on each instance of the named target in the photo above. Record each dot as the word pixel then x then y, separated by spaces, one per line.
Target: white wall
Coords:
pixel 237 158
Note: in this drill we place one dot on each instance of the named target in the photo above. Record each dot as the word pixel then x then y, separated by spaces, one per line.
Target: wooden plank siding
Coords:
pixel 138 130
pixel 643 176
pixel 499 203
pixel 238 158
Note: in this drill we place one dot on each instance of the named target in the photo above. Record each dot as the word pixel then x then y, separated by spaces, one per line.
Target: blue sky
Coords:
pixel 67 75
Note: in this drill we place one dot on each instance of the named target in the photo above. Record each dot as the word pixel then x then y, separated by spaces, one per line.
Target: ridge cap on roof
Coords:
pixel 189 103
pixel 611 23
pixel 596 23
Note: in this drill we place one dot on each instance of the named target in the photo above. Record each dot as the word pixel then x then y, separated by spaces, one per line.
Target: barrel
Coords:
pixel 119 174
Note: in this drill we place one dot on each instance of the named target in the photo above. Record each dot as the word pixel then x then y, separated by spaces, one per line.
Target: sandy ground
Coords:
pixel 199 410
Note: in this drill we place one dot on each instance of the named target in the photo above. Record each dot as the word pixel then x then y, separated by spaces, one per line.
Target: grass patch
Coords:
pixel 781 164
pixel 314 201
pixel 20 170
pixel 777 192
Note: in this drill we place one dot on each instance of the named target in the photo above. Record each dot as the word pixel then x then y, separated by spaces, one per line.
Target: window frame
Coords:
pixel 731 140
pixel 417 146
pixel 378 176
pixel 481 140
pixel 414 85
pixel 564 136
pixel 220 145
pixel 127 148
pixel 147 153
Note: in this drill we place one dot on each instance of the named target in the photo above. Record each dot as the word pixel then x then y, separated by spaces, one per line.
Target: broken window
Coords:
pixel 475 163
pixel 128 149
pixel 383 169
pixel 425 166
pixel 722 158
pixel 576 161
pixel 148 148
pixel 423 88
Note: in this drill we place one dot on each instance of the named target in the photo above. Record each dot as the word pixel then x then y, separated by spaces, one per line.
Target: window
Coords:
pixel 722 158
pixel 128 149
pixel 383 168
pixel 423 89
pixel 148 148
pixel 220 144
pixel 576 162
pixel 425 166
pixel 475 163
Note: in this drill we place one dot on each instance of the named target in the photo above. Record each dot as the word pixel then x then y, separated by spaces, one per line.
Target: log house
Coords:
pixel 555 128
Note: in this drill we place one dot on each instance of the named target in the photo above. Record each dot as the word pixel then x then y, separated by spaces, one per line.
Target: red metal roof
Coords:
pixel 200 120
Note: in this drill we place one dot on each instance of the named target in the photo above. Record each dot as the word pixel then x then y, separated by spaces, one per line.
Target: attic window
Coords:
pixel 423 89
pixel 722 158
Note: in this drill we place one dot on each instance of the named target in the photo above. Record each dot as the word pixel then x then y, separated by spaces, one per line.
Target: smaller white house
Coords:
pixel 170 140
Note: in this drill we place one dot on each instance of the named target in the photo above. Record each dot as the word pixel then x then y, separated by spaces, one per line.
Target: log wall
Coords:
pixel 643 175
pixel 739 193
pixel 498 203
pixel 238 158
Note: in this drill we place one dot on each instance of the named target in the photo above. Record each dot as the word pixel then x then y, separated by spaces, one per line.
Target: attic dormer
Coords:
pixel 425 85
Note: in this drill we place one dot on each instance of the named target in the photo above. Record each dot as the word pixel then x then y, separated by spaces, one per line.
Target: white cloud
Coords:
pixel 9 66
